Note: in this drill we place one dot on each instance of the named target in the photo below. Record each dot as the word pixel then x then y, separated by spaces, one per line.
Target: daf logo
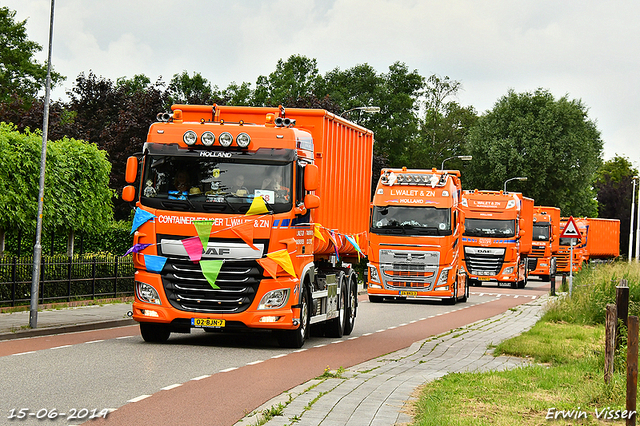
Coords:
pixel 215 154
pixel 218 251
pixel 484 251
pixel 409 258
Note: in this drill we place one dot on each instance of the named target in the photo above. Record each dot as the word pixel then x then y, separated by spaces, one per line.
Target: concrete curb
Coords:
pixel 48 331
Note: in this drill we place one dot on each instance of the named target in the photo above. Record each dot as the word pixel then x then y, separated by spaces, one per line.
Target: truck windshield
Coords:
pixel 489 228
pixel 411 220
pixel 214 185
pixel 540 232
pixel 567 241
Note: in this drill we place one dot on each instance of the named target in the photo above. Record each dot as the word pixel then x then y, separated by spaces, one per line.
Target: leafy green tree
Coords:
pixel 551 142
pixel 20 74
pixel 292 80
pixel 196 90
pixel 77 196
pixel 445 126
pixel 614 185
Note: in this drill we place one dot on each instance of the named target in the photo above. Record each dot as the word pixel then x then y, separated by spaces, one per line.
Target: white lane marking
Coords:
pixel 139 398
pixel 255 362
pixel 301 350
pixel 228 369
pixel 201 377
pixel 171 386
pixel 23 353
pixel 319 346
pixel 95 341
pixel 278 356
pixel 60 347
pixel 367 334
pixel 124 337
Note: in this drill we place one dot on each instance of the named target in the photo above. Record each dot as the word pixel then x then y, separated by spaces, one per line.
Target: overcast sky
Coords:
pixel 587 49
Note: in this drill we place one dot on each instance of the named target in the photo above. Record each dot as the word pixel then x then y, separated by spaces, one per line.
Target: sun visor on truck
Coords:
pixel 262 155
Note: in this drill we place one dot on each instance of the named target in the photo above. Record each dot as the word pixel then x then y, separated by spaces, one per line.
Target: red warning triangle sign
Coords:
pixel 570 229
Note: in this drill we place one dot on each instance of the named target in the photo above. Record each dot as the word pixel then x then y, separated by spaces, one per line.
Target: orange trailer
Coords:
pixel 414 240
pixel 497 239
pixel 279 202
pixel 599 239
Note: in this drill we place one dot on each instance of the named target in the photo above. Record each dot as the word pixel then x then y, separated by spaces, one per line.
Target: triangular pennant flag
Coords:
pixel 317 233
pixel 193 245
pixel 210 270
pixel 269 265
pixel 203 228
pixel 258 206
pixel 282 258
pixel 332 236
pixel 154 263
pixel 358 243
pixel 140 217
pixel 245 231
pixel 136 248
pixel 354 244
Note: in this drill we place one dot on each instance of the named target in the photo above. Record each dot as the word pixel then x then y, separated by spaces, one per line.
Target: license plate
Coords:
pixel 408 293
pixel 207 322
pixel 484 278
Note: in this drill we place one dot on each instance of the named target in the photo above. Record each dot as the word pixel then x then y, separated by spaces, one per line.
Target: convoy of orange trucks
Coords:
pixel 249 218
pixel 498 231
pixel 414 237
pixel 599 239
pixel 546 242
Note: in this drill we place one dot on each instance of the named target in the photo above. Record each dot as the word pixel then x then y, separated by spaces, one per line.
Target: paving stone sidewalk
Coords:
pixel 379 392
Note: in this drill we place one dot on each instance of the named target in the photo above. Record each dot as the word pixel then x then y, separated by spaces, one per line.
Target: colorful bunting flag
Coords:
pixel 269 265
pixel 317 233
pixel 282 258
pixel 245 231
pixel 210 270
pixel 140 218
pixel 355 245
pixel 203 228
pixel 193 245
pixel 136 248
pixel 258 206
pixel 332 236
pixel 358 242
pixel 154 263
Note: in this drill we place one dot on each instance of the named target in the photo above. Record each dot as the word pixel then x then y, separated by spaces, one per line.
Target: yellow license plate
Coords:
pixel 207 322
pixel 484 278
pixel 408 293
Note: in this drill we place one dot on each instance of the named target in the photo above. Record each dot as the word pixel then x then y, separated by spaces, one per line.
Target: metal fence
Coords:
pixel 65 279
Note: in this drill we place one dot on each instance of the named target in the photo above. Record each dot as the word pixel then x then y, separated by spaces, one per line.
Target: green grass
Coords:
pixel 566 349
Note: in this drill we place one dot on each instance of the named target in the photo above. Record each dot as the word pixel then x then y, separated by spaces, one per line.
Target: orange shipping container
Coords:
pixel 603 238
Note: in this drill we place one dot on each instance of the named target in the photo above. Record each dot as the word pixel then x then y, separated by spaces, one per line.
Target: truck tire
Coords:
pixel 335 327
pixel 154 333
pixel 352 307
pixel 464 298
pixel 295 338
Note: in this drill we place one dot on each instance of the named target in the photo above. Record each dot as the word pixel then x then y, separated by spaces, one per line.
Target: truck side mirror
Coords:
pixel 311 201
pixel 129 193
pixel 521 233
pixel 311 178
pixel 132 170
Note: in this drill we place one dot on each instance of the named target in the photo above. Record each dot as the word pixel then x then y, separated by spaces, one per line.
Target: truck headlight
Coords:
pixel 190 137
pixel 508 270
pixel 444 276
pixel 147 293
pixel 207 138
pixel 373 274
pixel 225 139
pixel 274 299
pixel 243 140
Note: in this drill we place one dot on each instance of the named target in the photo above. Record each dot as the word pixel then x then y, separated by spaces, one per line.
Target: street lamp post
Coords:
pixel 367 109
pixel 633 206
pixel 461 157
pixel 522 178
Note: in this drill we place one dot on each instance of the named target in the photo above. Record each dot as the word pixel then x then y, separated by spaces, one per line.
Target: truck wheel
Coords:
pixel 336 326
pixel 295 338
pixel 352 307
pixel 154 333
pixel 466 291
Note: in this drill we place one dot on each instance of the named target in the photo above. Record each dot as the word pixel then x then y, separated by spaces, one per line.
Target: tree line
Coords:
pixel 552 141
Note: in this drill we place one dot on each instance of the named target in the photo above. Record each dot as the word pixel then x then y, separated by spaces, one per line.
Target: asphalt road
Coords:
pixel 228 375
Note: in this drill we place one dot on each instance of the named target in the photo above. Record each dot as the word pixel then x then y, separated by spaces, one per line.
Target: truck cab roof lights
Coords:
pixel 243 140
pixel 190 137
pixel 207 138
pixel 225 139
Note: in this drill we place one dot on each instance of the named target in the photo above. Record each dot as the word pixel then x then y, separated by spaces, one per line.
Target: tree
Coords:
pixel 20 74
pixel 445 126
pixel 77 196
pixel 551 142
pixel 196 90
pixel 614 185
pixel 292 80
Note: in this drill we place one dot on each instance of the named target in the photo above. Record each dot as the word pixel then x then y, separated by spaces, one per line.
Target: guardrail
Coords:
pixel 66 279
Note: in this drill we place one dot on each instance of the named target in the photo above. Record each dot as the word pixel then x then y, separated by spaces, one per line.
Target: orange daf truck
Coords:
pixel 278 201
pixel 546 242
pixel 599 239
pixel 497 239
pixel 414 237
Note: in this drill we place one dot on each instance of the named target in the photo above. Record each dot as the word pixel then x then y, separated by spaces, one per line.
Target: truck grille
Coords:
pixel 188 290
pixel 562 262
pixel 409 269
pixel 484 264
pixel 537 251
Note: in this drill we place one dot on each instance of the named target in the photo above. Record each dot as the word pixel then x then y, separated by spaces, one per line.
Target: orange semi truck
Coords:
pixel 414 237
pixel 497 239
pixel 546 242
pixel 279 201
pixel 599 239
